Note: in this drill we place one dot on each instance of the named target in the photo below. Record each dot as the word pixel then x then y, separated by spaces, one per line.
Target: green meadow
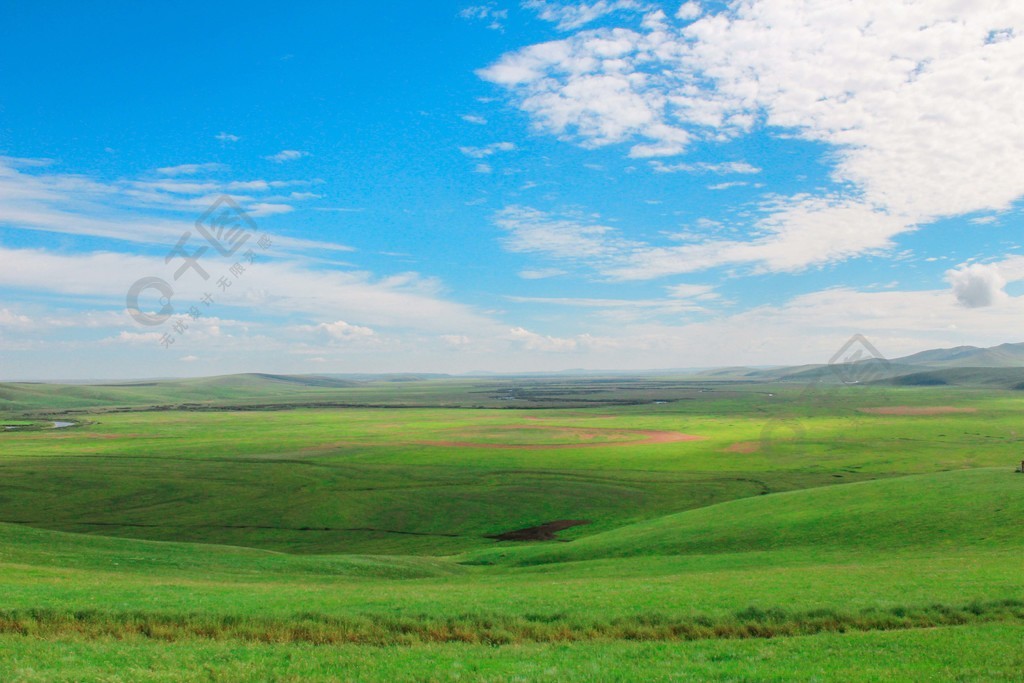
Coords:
pixel 269 528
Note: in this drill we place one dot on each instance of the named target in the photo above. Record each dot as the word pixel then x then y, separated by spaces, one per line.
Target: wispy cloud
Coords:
pixel 189 169
pixel 540 273
pixel 532 231
pixel 278 287
pixel 490 14
pixel 487 150
pixel 287 155
pixel 720 168
pixel 133 210
pixel 573 15
pixel 793 234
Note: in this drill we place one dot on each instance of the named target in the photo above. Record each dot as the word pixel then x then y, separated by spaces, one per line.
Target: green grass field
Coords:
pixel 264 528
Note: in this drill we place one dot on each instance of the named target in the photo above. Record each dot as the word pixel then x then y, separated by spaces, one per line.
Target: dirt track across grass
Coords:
pixel 650 437
pixel 917 410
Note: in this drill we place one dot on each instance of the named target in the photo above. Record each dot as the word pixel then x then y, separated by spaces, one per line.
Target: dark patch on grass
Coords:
pixel 544 532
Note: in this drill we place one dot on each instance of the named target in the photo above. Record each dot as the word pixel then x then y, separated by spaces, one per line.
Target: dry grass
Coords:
pixel 319 629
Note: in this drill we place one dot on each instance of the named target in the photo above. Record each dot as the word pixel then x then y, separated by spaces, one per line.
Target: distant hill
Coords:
pixel 1002 356
pixel 998 367
pixel 1001 378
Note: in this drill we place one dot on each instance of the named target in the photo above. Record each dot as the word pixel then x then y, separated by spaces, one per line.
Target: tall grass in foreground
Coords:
pixel 752 622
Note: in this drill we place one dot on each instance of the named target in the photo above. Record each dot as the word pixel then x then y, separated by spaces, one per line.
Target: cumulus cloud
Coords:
pixel 689 11
pixel 977 285
pixel 343 331
pixel 915 100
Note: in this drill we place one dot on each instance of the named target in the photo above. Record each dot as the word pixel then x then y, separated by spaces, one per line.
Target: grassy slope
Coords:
pixel 969 653
pixel 976 508
pixel 364 480
pixel 895 544
pixel 951 561
pixel 771 552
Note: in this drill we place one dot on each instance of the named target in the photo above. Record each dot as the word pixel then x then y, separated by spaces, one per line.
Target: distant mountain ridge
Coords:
pixel 998 366
pixel 1002 356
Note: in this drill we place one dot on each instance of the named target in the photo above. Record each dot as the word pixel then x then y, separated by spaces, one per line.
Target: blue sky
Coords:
pixel 507 186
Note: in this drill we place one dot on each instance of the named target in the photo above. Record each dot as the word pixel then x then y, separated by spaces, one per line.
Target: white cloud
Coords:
pixel 489 13
pixel 406 301
pixel 287 155
pixel 189 169
pixel 721 168
pixel 691 291
pixel 689 11
pixel 456 340
pixel 807 328
pixel 531 341
pixel 535 232
pixel 978 285
pixel 123 209
pixel 125 337
pixel 260 209
pixel 540 273
pixel 914 99
pixel 474 119
pixel 11 320
pixel 984 220
pixel 573 15
pixel 343 331
pixel 23 162
pixel 626 310
pixel 793 234
pixel 488 150
pixel 226 137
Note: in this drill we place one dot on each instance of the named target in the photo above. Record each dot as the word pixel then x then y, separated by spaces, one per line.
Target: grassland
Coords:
pixel 206 532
